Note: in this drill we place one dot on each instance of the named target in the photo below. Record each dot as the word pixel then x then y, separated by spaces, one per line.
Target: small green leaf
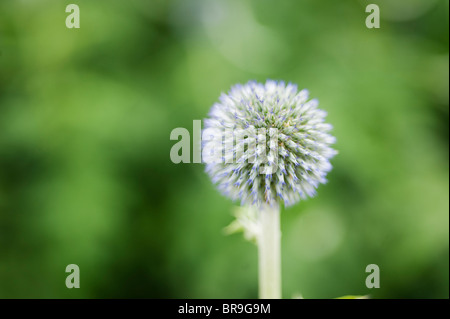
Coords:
pixel 246 221
pixel 354 297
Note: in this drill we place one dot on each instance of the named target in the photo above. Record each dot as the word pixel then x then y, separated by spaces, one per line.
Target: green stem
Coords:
pixel 269 252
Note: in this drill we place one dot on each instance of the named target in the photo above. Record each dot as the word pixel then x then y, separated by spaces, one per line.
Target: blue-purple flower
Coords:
pixel 269 143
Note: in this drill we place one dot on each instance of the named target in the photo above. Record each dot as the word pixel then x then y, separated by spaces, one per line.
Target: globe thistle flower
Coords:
pixel 270 143
pixel 265 144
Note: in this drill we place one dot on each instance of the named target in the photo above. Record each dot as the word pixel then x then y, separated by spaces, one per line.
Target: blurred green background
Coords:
pixel 85 172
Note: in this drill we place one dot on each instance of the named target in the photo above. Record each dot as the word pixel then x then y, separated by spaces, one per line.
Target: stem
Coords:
pixel 269 252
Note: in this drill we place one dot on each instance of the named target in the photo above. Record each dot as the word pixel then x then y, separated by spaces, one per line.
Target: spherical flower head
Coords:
pixel 267 143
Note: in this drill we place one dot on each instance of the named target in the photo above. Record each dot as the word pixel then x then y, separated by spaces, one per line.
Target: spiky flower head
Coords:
pixel 267 143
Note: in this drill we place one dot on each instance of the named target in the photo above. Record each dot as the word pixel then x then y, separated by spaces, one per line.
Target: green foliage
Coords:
pixel 85 173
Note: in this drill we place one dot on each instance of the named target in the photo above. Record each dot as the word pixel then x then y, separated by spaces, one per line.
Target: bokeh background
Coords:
pixel 85 172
